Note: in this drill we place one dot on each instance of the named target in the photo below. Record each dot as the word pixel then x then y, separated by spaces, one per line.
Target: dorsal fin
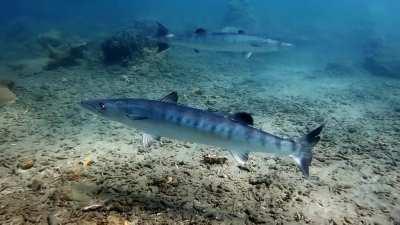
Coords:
pixel 200 31
pixel 171 97
pixel 242 117
pixel 162 31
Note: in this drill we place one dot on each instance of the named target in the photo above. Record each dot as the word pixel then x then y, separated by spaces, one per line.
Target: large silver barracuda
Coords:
pixel 227 40
pixel 235 132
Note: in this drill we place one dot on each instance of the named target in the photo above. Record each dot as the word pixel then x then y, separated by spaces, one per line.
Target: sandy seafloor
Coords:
pixel 81 160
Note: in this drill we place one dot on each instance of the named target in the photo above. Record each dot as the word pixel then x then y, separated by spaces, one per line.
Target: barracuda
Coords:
pixel 223 41
pixel 166 118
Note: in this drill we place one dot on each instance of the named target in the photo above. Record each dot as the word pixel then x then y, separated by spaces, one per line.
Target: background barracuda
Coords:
pixel 60 164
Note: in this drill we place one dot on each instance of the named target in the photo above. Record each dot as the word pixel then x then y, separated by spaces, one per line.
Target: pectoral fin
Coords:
pixel 148 140
pixel 240 157
pixel 248 55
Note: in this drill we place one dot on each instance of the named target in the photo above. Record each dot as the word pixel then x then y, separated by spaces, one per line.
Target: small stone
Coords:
pixel 214 159
pixel 26 164
pixel 261 180
pixel 36 185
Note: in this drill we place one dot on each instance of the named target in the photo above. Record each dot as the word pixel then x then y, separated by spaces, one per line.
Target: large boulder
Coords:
pixel 62 51
pixel 131 42
pixel 66 56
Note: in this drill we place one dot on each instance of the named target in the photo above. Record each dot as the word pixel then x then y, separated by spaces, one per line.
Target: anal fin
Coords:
pixel 148 140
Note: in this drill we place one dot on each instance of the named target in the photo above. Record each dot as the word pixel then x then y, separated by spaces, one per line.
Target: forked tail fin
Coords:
pixel 303 156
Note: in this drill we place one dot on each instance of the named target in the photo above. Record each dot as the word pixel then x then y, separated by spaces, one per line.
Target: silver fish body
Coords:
pixel 166 118
pixel 225 41
pixel 229 42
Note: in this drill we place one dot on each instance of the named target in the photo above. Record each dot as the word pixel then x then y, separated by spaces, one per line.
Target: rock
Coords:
pixel 87 162
pixel 51 38
pixel 6 96
pixel 164 181
pixel 26 164
pixel 7 83
pixel 130 43
pixel 36 185
pixel 214 159
pixel 122 47
pixel 261 180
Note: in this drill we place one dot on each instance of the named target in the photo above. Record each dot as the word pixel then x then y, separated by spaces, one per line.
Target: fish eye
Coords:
pixel 102 106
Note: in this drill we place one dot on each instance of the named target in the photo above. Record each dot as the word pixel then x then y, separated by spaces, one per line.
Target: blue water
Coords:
pixel 60 164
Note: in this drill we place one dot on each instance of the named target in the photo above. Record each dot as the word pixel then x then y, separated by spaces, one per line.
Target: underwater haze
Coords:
pixel 199 112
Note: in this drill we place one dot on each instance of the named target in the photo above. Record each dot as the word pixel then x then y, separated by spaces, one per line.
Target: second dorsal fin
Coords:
pixel 242 117
pixel 171 97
